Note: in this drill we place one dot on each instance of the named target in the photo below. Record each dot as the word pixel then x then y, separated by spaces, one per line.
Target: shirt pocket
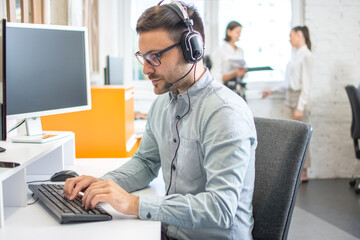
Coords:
pixel 188 160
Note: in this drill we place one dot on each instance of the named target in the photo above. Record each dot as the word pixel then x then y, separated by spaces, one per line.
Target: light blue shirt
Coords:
pixel 212 178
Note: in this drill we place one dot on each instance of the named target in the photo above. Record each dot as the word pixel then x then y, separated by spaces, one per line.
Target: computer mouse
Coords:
pixel 63 175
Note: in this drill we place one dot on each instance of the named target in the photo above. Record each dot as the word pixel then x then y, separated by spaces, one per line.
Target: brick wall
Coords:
pixel 335 34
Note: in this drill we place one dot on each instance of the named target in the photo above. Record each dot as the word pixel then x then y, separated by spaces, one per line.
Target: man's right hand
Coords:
pixel 74 185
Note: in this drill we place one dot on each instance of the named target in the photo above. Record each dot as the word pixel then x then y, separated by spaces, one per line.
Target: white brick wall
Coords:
pixel 335 34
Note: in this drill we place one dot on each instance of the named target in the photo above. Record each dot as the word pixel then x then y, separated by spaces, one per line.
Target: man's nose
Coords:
pixel 148 69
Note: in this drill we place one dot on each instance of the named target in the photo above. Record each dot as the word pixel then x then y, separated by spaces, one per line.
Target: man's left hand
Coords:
pixel 108 191
pixel 298 115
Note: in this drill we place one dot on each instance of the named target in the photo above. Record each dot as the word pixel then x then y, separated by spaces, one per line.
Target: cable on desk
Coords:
pixel 32 195
pixel 17 125
pixel 38 181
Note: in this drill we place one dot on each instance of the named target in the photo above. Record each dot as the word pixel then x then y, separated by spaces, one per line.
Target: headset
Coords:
pixel 192 43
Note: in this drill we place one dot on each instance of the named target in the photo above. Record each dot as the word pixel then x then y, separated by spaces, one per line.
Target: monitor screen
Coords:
pixel 47 70
pixel 2 84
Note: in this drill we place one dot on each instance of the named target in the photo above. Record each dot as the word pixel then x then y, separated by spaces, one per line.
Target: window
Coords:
pixel 265 34
pixel 137 8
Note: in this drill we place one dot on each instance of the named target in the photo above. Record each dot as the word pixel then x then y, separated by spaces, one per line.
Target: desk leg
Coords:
pixel 2 219
pixel 69 154
pixel 15 188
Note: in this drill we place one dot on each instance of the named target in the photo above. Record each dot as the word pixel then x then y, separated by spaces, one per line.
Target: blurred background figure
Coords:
pixel 228 65
pixel 298 81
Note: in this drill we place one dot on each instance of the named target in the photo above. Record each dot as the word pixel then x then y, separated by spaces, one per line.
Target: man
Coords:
pixel 198 131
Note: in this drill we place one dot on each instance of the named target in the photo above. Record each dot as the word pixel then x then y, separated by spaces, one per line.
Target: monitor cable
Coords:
pixel 17 125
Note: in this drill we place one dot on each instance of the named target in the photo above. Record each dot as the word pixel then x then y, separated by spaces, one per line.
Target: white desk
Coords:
pixel 35 160
pixel 35 222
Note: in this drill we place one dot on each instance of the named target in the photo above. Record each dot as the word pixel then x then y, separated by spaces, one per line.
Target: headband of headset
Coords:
pixel 191 41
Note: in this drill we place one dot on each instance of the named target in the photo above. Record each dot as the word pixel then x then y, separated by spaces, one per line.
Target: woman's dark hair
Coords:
pixel 231 26
pixel 306 34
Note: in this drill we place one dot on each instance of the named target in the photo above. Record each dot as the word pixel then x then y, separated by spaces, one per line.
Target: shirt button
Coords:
pixel 148 215
pixel 177 117
pixel 174 140
pixel 173 167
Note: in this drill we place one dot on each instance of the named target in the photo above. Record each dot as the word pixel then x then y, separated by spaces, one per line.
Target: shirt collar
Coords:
pixel 194 89
pixel 302 49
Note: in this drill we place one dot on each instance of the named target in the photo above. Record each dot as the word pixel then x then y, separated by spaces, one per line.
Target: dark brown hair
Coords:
pixel 162 17
pixel 306 34
pixel 231 26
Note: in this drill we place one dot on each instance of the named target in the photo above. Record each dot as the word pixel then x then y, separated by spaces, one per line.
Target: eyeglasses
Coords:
pixel 153 58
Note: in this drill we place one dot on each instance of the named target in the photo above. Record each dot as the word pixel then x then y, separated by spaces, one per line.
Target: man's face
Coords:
pixel 173 65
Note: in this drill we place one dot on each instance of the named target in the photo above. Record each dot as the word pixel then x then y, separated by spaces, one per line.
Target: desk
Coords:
pixel 35 160
pixel 35 222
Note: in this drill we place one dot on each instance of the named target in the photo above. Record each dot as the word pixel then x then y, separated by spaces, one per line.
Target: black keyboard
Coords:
pixel 65 210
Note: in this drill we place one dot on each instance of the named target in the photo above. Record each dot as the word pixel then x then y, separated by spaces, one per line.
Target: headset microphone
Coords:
pixel 170 84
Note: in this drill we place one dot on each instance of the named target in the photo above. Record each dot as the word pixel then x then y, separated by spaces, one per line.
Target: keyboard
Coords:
pixel 67 211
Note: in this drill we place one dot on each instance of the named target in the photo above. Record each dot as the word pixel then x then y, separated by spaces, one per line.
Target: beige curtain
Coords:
pixel 90 20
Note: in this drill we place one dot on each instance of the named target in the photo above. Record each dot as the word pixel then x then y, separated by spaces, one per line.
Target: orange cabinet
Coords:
pixel 105 131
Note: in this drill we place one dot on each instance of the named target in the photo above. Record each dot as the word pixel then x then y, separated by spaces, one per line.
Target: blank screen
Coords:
pixel 45 70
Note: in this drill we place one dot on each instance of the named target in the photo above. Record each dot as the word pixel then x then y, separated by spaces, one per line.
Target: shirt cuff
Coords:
pixel 149 207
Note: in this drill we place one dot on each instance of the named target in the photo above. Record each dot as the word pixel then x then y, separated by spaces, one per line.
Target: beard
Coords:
pixel 180 70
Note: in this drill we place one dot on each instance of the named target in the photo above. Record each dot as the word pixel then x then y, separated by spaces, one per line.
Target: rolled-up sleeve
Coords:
pixel 142 168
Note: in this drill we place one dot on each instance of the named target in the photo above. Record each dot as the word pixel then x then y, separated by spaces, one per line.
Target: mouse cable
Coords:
pixel 38 181
pixel 31 203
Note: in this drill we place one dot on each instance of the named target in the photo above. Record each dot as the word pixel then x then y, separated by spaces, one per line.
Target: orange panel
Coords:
pixel 103 131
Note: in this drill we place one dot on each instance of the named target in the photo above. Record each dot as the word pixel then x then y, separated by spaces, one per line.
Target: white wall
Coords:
pixel 335 33
pixel 114 34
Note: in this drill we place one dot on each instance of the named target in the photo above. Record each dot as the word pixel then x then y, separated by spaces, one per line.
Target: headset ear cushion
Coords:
pixel 192 46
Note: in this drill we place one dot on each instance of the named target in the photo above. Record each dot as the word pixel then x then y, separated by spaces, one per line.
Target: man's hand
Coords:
pixel 74 185
pixel 298 115
pixel 110 192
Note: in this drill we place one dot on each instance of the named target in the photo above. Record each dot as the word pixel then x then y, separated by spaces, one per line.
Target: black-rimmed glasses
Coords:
pixel 153 58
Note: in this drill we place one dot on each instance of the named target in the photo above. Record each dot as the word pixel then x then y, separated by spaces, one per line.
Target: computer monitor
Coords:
pixel 47 72
pixel 114 71
pixel 2 89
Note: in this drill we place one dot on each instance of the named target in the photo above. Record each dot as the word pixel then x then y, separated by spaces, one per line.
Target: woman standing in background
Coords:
pixel 299 80
pixel 228 65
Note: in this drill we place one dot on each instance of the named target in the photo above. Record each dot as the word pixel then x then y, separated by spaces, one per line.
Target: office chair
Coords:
pixel 280 157
pixel 207 62
pixel 354 98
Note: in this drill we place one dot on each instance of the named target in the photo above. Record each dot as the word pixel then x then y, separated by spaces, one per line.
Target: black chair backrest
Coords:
pixel 280 157
pixel 354 98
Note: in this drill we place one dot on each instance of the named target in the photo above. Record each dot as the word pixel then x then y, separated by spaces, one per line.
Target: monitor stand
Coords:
pixel 34 133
